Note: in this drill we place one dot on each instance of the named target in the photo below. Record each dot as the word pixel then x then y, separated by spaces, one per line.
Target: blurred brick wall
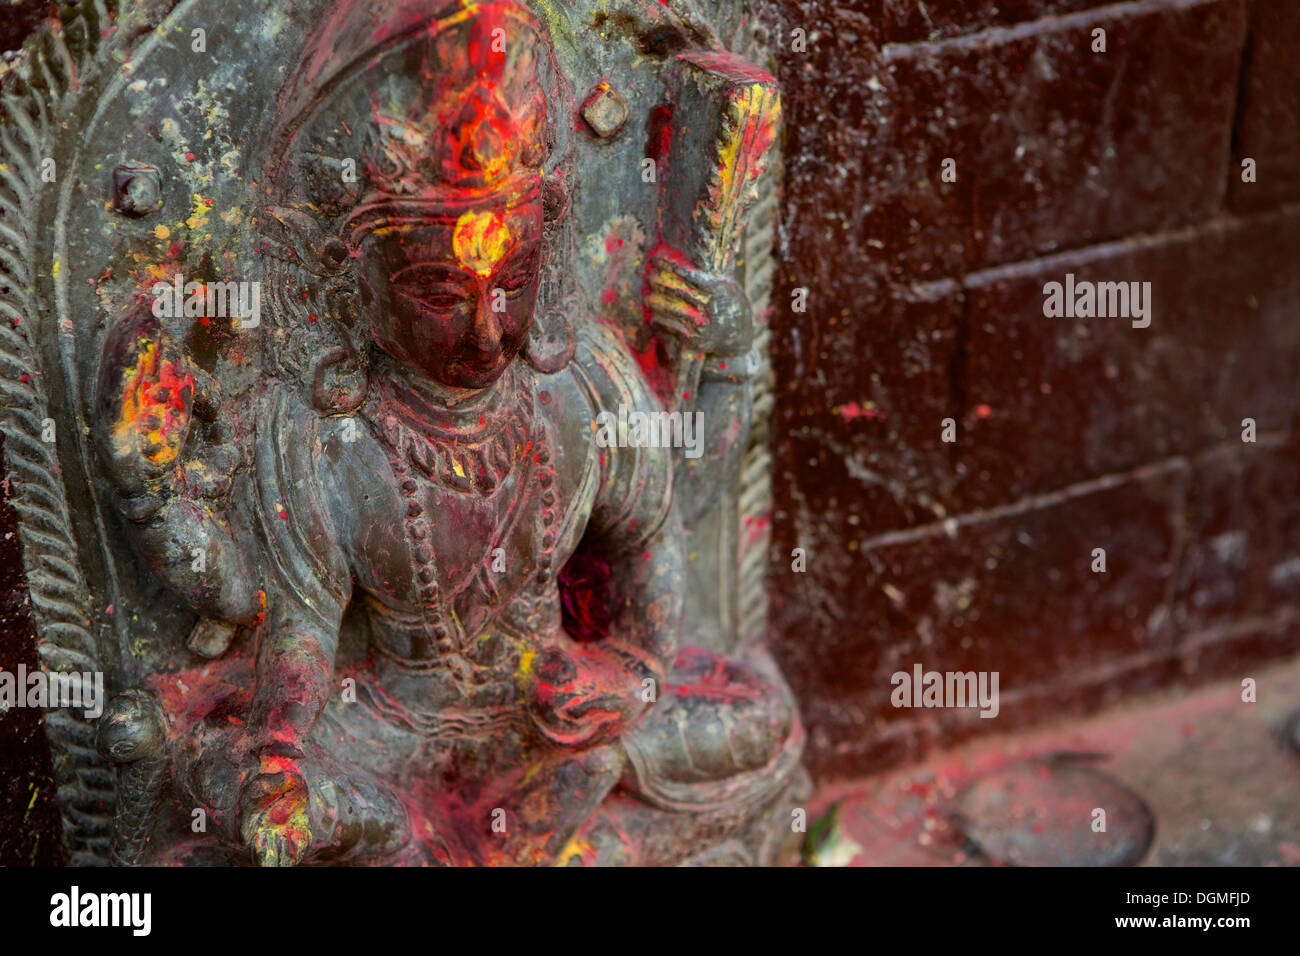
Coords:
pixel 926 302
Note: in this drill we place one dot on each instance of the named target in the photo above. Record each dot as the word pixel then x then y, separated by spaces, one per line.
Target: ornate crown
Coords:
pixel 445 109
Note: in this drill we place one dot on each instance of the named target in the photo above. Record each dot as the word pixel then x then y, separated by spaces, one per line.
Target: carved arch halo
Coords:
pixel 86 91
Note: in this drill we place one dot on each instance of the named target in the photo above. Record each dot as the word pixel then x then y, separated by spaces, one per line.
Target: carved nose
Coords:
pixel 487 328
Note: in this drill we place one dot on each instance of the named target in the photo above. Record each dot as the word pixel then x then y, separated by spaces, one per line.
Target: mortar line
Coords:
pixel 950 526
pixel 984 37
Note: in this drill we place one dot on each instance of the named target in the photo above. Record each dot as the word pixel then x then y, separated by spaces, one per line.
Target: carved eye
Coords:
pixel 433 287
pixel 435 296
pixel 444 298
pixel 520 271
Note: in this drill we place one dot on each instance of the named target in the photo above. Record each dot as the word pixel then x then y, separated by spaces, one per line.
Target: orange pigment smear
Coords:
pixel 154 387
pixel 481 240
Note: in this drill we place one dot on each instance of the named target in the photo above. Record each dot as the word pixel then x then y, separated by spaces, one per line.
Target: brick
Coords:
pixel 866 427
pixel 905 21
pixel 1012 593
pixel 1053 144
pixel 1268 125
pixel 841 746
pixel 1056 401
pixel 1243 538
pixel 1067 695
pixel 1240 651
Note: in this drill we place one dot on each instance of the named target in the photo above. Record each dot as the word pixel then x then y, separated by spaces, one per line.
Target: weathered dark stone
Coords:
pixel 1044 813
pixel 334 484
pixel 29 817
pixel 837 155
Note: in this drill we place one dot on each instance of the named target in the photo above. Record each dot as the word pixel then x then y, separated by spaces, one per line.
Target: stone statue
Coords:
pixel 392 511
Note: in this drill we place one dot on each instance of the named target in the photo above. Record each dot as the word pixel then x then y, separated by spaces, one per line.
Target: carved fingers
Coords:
pixel 580 698
pixel 707 311
pixel 210 473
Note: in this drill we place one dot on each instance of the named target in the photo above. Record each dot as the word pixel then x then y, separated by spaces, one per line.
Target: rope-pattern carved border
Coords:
pixel 754 481
pixel 37 94
pixel 754 476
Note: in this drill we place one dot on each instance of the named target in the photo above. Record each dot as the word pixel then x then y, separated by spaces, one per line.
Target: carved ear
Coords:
pixel 295 236
pixel 339 381
pixel 555 198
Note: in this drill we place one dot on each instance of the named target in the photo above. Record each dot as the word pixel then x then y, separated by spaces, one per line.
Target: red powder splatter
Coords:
pixel 584 584
pixel 658 375
pixel 852 410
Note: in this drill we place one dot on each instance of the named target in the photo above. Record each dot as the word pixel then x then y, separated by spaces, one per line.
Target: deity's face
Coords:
pixel 453 297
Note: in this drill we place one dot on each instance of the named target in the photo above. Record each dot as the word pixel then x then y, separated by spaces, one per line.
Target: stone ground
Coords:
pixel 1212 775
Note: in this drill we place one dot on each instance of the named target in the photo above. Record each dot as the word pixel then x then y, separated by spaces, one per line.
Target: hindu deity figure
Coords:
pixel 438 622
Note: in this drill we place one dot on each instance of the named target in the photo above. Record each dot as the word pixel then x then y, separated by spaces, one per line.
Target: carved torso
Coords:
pixel 454 524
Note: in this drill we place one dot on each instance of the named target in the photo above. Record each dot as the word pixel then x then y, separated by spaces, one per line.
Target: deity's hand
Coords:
pixel 707 311
pixel 274 818
pixel 584 694
pixel 145 401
